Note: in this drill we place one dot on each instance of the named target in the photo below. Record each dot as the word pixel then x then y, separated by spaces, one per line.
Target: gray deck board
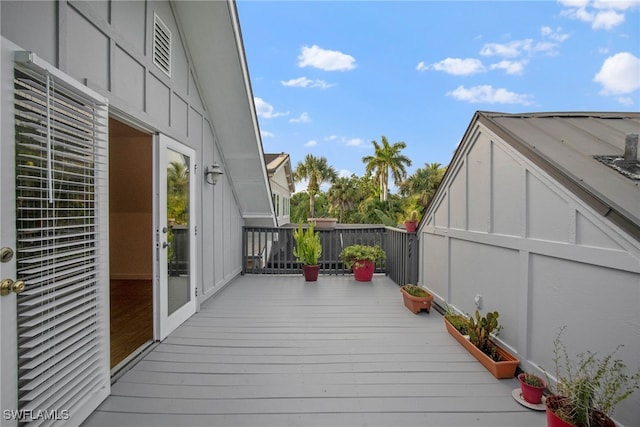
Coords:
pixel 276 351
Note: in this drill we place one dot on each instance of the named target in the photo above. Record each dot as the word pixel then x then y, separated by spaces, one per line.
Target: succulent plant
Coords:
pixel 480 329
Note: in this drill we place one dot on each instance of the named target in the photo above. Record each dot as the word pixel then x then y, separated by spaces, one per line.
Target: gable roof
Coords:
pixel 212 33
pixel 564 145
pixel 276 162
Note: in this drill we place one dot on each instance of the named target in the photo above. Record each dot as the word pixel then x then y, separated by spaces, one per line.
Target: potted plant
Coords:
pixel 416 298
pixel 532 387
pixel 588 388
pixel 478 342
pixel 363 259
pixel 411 222
pixel 455 323
pixel 307 250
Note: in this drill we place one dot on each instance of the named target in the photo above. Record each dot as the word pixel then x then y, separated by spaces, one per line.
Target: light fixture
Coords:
pixel 211 173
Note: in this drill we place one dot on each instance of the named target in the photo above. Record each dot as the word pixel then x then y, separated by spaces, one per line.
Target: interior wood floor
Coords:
pixel 131 317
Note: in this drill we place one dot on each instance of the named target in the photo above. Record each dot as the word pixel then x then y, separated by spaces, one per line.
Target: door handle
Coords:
pixel 165 245
pixel 7 286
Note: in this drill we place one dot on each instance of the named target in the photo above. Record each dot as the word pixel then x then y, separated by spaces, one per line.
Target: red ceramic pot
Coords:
pixel 530 393
pixel 363 270
pixel 311 272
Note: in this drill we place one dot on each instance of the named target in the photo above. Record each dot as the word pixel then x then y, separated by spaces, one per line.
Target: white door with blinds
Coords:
pixel 56 315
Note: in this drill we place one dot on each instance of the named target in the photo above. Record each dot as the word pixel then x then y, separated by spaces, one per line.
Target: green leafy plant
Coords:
pixel 533 380
pixel 480 330
pixel 356 254
pixel 308 247
pixel 416 291
pixel 385 219
pixel 457 320
pixel 589 386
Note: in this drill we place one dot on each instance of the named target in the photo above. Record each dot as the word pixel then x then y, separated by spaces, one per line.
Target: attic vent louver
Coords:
pixel 628 165
pixel 161 45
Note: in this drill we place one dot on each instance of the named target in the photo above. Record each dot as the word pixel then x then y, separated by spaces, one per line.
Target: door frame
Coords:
pixel 166 323
pixel 8 312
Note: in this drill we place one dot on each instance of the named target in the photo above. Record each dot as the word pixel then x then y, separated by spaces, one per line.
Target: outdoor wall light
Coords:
pixel 211 173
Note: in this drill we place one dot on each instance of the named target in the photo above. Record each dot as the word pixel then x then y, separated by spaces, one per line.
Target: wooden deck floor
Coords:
pixel 276 351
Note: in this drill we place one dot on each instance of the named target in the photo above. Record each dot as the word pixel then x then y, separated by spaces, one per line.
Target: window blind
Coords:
pixel 61 226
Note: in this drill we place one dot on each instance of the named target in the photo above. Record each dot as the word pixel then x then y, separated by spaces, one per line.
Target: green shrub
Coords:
pixel 356 253
pixel 308 247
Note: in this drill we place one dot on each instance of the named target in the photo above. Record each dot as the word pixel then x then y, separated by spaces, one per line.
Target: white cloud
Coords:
pixel 601 14
pixel 555 35
pixel 344 173
pixel 354 142
pixel 490 95
pixel 507 50
pixel 456 66
pixel 266 134
pixel 619 74
pixel 574 3
pixel 517 48
pixel 625 100
pixel 266 110
pixel 328 60
pixel 331 138
pixel 510 67
pixel 607 20
pixel 305 82
pixel 422 66
pixel 311 143
pixel 304 118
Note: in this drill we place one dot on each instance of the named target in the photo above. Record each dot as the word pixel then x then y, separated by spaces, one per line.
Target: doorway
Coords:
pixel 130 241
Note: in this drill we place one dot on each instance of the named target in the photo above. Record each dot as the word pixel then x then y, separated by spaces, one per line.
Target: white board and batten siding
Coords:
pixel 502 228
pixel 108 47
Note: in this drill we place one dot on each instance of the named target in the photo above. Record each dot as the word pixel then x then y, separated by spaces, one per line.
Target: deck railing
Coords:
pixel 402 256
pixel 270 250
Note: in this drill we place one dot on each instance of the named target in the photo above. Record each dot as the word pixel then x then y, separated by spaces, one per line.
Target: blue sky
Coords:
pixel 328 77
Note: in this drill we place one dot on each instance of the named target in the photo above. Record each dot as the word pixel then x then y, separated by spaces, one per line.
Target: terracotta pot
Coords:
pixel 410 226
pixel 554 402
pixel 530 393
pixel 311 272
pixel 415 304
pixel 506 368
pixel 363 270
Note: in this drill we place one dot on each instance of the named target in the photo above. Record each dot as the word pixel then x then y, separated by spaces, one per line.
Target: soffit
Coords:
pixel 212 34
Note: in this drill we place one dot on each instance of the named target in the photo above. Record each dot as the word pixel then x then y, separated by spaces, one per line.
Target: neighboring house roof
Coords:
pixel 565 145
pixel 212 33
pixel 279 161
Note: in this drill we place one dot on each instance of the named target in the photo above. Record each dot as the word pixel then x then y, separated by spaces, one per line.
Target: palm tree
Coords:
pixel 424 182
pixel 342 196
pixel 317 171
pixel 178 191
pixel 387 157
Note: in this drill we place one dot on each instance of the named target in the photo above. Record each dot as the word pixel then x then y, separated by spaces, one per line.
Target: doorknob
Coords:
pixel 7 286
pixel 165 244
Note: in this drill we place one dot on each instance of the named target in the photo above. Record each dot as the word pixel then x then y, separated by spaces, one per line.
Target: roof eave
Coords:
pixel 212 34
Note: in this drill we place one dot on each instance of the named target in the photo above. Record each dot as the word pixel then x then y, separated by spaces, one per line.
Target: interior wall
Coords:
pixel 130 207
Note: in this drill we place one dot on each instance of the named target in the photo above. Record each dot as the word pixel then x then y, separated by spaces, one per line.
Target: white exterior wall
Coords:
pixel 280 186
pixel 113 56
pixel 502 228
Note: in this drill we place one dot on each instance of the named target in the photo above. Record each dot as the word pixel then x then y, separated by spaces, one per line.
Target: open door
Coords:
pixel 54 340
pixel 175 231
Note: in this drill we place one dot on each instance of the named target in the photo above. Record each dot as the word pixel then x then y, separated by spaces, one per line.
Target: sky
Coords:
pixel 329 77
